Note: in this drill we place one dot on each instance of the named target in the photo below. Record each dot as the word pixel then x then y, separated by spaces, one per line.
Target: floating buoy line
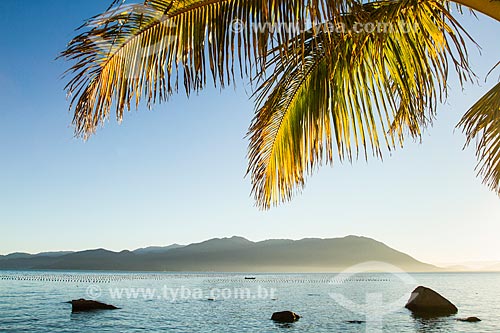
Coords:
pixel 212 278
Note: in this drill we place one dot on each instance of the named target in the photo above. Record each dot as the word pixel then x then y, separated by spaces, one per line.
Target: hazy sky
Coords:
pixel 176 174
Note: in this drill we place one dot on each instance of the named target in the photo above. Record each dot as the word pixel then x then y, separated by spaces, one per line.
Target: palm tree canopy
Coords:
pixel 343 78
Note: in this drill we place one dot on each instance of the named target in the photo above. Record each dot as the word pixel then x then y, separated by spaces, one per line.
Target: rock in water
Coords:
pixel 470 319
pixel 427 302
pixel 285 317
pixel 86 305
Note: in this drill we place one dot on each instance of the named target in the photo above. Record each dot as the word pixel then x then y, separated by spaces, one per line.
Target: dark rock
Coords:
pixel 86 305
pixel 427 302
pixel 470 319
pixel 285 317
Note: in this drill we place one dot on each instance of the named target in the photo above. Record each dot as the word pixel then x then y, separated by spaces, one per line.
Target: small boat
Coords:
pixel 250 277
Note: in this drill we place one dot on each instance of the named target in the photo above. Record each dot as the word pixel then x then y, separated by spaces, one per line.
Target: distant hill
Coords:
pixel 473 266
pixel 234 254
pixel 17 255
pixel 157 249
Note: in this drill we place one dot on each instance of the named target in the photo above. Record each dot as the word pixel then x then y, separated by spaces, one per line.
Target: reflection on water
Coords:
pixel 284 325
pixel 428 323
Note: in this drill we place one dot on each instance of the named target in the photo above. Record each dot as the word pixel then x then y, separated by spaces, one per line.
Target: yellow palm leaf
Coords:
pixel 482 123
pixel 352 92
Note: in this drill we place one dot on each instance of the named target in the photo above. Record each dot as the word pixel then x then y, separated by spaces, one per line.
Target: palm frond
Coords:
pixel 136 51
pixel 351 92
pixel 482 124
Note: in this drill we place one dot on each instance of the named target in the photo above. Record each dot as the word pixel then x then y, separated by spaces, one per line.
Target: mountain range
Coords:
pixel 235 254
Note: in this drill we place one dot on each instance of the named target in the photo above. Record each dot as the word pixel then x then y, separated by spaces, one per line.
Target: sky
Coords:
pixel 176 174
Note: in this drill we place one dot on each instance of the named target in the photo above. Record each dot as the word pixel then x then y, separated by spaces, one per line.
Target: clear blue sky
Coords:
pixel 176 174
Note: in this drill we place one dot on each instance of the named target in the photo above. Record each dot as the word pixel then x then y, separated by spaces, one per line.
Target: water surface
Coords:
pixel 178 302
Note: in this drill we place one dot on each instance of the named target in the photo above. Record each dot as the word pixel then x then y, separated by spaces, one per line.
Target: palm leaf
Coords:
pixel 137 52
pixel 482 123
pixel 351 92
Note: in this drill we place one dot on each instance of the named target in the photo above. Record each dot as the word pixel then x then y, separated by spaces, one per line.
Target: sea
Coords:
pixel 37 301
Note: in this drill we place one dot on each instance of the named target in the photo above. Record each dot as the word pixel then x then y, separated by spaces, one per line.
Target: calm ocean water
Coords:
pixel 174 302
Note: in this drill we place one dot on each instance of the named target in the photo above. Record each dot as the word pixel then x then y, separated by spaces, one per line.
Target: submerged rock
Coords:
pixel 469 319
pixel 81 304
pixel 285 317
pixel 427 302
